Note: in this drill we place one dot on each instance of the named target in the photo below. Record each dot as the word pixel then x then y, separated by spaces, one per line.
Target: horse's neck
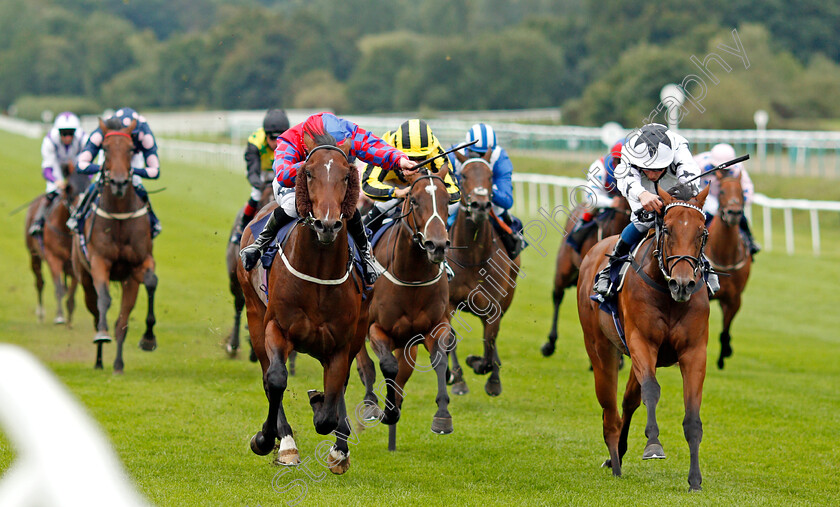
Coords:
pixel 724 241
pixel 125 204
pixel 409 261
pixel 309 256
pixel 650 264
pixel 478 239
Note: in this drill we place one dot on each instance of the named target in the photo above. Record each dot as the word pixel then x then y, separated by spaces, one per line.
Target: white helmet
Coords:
pixel 485 136
pixel 722 153
pixel 651 147
pixel 67 121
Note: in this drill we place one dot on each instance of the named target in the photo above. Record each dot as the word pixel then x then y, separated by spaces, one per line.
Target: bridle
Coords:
pixel 310 220
pixel 667 262
pixel 106 173
pixel 469 205
pixel 417 235
pixel 732 210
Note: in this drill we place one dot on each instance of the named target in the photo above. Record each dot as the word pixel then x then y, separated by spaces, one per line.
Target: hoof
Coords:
pixel 261 445
pixel 338 461
pixel 460 388
pixel 391 417
pixel 547 349
pixel 253 356
pixel 102 337
pixel 316 398
pixel 694 489
pixel 231 352
pixel 118 372
pixel 40 313
pixel 287 458
pixel 720 363
pixel 442 425
pixel 608 464
pixel 726 350
pixel 97 366
pixel 372 413
pixel 148 344
pixel 478 365
pixel 59 320
pixel 493 387
pixel 654 451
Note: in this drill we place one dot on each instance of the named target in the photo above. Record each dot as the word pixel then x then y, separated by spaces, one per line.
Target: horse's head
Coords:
pixel 731 200
pixel 682 238
pixel 119 148
pixel 476 187
pixel 76 184
pixel 327 186
pixel 426 210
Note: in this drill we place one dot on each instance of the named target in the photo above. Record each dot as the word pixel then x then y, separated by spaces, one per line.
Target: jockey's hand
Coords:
pixel 61 184
pixel 616 202
pixel 399 193
pixel 650 202
pixel 407 166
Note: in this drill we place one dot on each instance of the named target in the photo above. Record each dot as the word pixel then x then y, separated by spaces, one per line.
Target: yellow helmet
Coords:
pixel 415 139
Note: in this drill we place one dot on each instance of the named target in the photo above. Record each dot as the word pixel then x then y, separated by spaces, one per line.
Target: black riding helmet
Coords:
pixel 275 121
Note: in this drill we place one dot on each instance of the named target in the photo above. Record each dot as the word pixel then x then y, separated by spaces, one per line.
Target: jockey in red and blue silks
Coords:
pixel 290 156
pixel 145 163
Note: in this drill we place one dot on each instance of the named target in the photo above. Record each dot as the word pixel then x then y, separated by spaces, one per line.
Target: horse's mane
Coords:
pixel 304 202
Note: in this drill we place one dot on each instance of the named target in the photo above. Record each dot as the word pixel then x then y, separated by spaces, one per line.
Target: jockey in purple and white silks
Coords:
pixel 145 164
pixel 652 155
pixel 708 160
pixel 59 150
pixel 290 156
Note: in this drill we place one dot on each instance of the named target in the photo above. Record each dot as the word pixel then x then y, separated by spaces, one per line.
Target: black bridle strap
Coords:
pixel 325 147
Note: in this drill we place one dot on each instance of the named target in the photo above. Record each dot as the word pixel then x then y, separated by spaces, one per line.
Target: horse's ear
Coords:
pixel 308 143
pixel 131 127
pixel 487 155
pixel 102 126
pixel 460 156
pixel 700 199
pixel 665 196
pixel 345 146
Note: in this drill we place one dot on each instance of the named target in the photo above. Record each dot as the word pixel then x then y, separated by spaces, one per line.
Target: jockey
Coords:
pixel 652 155
pixel 602 187
pixel 708 160
pixel 259 159
pixel 290 156
pixel 415 139
pixel 502 191
pixel 145 163
pixel 59 149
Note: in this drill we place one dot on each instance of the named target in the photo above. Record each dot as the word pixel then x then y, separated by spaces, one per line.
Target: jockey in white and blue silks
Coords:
pixel 707 161
pixel 502 197
pixel 144 165
pixel 59 150
pixel 652 155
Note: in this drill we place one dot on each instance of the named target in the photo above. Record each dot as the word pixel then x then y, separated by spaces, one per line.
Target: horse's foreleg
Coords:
pixel 693 368
pixel 71 297
pixel 644 368
pixel 56 268
pixel 442 421
pixel 35 263
pixel 367 373
pixel 557 297
pixel 100 274
pixel 148 342
pixel 729 308
pixel 459 385
pixel 325 410
pixel 382 346
pixel 130 287
pixel 238 305
pixel 275 380
pixel 338 459
pixel 490 363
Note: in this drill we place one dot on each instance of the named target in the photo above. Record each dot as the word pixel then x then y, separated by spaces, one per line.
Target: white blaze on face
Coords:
pixel 430 189
pixel 327 167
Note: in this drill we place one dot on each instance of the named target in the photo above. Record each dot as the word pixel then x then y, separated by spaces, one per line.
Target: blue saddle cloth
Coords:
pixel 618 271
pixel 387 224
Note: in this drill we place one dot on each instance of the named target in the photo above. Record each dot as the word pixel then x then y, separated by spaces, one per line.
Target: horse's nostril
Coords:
pixel 337 226
pixel 690 286
pixel 429 246
pixel 673 285
pixel 318 225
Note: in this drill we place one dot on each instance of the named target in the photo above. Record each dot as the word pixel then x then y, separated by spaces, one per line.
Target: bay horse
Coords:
pixel 729 255
pixel 54 247
pixel 609 222
pixel 314 302
pixel 117 245
pixel 664 311
pixel 485 277
pixel 408 306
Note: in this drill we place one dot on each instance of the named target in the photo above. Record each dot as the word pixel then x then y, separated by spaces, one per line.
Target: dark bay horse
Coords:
pixel 54 247
pixel 485 277
pixel 728 254
pixel 314 302
pixel 664 310
pixel 409 302
pixel 117 245
pixel 610 222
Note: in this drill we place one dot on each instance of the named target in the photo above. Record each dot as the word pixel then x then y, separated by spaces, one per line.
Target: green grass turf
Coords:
pixel 181 417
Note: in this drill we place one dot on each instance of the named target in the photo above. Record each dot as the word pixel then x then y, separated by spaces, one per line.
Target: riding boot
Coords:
pixel 155 222
pixel 602 281
pixel 247 215
pixel 372 220
pixel 37 227
pixel 370 266
pixel 79 213
pixel 251 254
pixel 745 226
pixel 712 279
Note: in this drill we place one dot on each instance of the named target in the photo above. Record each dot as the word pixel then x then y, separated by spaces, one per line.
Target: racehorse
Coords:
pixel 485 277
pixel 54 246
pixel 314 302
pixel 664 311
pixel 728 254
pixel 409 302
pixel 609 222
pixel 117 245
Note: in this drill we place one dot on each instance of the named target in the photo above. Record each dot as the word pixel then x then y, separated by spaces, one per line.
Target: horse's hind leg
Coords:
pixel 632 400
pixel 129 297
pixel 367 373
pixel 35 263
pixel 100 272
pixel 56 267
pixel 549 346
pixel 490 363
pixel 71 297
pixel 382 345
pixel 729 307
pixel 456 374
pixel 693 369
pixel 605 372
pixel 150 280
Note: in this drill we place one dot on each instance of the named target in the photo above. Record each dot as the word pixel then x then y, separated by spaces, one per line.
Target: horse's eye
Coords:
pixel 309 174
pixel 347 178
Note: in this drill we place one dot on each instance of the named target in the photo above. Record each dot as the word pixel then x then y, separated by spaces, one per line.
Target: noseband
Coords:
pixel 667 262
pixel 418 236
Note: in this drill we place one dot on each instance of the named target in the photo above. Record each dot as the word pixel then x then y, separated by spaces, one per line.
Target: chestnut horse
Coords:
pixel 409 302
pixel 664 310
pixel 729 255
pixel 54 246
pixel 485 277
pixel 314 302
pixel 610 222
pixel 117 245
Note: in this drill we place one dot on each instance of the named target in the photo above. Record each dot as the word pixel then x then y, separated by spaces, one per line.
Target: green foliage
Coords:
pixel 30 107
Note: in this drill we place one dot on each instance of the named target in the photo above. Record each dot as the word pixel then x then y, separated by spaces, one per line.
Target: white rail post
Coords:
pixel 815 231
pixel 768 228
pixel 789 230
pixel 519 202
